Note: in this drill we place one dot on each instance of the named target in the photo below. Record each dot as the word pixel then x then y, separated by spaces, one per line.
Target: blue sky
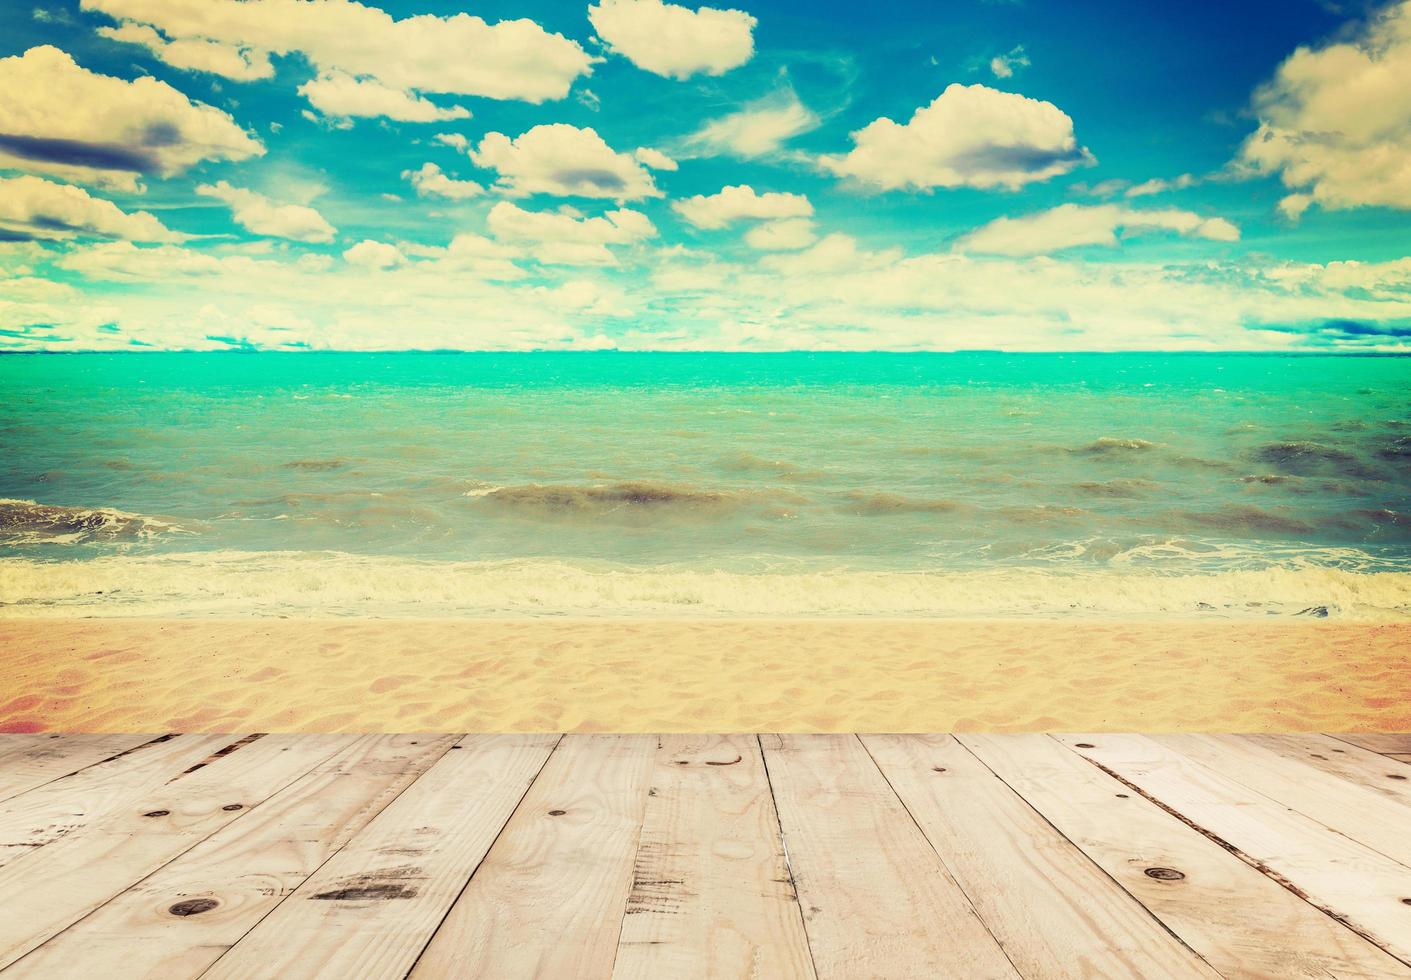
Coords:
pixel 638 174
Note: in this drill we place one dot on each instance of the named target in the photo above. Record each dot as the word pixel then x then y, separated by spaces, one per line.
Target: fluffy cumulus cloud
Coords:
pixel 460 54
pixel 431 181
pixel 59 118
pixel 342 96
pixel 257 213
pixel 674 41
pixel 731 204
pixel 759 129
pixel 563 160
pixel 1335 122
pixel 35 208
pixel 970 136
pixel 368 254
pixel 566 237
pixel 837 293
pixel 1072 225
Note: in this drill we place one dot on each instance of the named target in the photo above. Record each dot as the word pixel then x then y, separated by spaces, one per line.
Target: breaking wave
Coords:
pixel 26 522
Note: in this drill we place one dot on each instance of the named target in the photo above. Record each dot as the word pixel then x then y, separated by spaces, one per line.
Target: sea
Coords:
pixel 610 484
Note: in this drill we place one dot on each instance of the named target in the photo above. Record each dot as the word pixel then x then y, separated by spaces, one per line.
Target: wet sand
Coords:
pixel 701 675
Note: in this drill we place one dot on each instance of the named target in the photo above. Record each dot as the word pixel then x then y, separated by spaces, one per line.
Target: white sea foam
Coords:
pixel 275 583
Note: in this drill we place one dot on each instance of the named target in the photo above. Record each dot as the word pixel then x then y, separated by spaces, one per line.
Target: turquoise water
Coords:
pixel 617 483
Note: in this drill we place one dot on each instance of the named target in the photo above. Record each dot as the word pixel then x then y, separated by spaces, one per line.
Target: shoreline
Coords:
pixel 703 674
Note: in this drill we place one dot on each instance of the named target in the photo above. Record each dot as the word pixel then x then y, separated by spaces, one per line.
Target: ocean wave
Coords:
pixel 27 522
pixel 333 584
pixel 1316 459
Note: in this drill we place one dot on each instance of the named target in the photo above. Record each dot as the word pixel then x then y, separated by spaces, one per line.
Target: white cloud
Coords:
pixel 430 181
pixel 196 54
pixel 566 238
pixel 457 140
pixel 836 294
pixel 1072 225
pixel 655 159
pixel 970 136
pixel 340 95
pixel 37 208
pixel 1158 185
pixel 563 160
pixel 257 213
pixel 734 203
pixel 459 55
pixel 759 129
pixel 1004 65
pixel 782 236
pixel 1335 122
pixel 674 41
pixel 61 119
pixel 368 254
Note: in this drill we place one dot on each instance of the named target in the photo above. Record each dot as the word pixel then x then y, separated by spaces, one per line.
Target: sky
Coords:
pixel 635 174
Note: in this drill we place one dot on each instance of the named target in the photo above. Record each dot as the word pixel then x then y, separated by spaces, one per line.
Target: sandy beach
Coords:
pixel 701 675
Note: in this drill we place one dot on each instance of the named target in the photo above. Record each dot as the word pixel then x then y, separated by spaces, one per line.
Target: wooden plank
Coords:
pixel 372 907
pixel 1341 806
pixel 1386 743
pixel 51 888
pixel 877 900
pixel 177 922
pixel 31 761
pixel 711 893
pixel 1348 880
pixel 1242 922
pixel 1400 756
pixel 1053 910
pixel 65 806
pixel 549 899
pixel 1380 773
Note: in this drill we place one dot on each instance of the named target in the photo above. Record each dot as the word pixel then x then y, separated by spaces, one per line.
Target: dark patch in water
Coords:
pixel 316 465
pixel 1398 451
pixel 1119 488
pixel 1247 520
pixel 1314 459
pixel 630 495
pixel 1107 446
pixel 881 502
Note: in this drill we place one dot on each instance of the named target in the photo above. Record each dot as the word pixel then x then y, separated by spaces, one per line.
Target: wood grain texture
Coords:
pixel 1053 910
pixel 1244 923
pixel 1354 810
pixel 877 900
pixel 1348 880
pixel 371 909
pixel 813 857
pixel 1380 773
pixel 711 891
pixel 178 921
pixel 51 888
pixel 65 806
pixel 1386 743
pixel 550 897
pixel 30 761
